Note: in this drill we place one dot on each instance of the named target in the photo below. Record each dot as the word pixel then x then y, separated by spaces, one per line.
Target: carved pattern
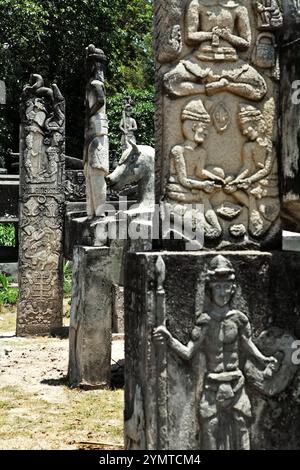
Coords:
pixel 224 336
pixel 269 15
pixel 75 186
pixel 214 66
pixel 96 152
pixel 41 208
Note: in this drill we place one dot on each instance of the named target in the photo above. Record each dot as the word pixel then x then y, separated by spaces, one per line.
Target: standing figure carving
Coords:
pixel 96 148
pixel 224 335
pixel 128 125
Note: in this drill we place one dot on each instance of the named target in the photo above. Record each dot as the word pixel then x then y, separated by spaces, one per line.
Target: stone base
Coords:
pixel 163 391
pixel 91 319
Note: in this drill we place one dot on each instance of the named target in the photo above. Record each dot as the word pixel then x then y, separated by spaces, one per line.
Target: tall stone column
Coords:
pixel 290 110
pixel 41 212
pixel 210 334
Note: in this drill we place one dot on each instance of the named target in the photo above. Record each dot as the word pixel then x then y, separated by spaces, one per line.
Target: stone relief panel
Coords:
pixel 42 198
pixel 216 366
pixel 216 145
pixel 75 189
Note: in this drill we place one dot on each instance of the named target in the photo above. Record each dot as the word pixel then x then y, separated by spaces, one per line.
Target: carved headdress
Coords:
pixel 220 269
pixel 249 113
pixel 94 54
pixel 195 111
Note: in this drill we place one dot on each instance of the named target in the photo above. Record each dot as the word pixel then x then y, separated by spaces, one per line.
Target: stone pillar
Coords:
pixel 91 319
pixel 216 119
pixel 41 211
pixel 171 401
pixel 210 335
pixel 290 111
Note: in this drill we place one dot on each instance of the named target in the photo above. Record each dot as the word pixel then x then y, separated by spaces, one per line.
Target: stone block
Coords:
pixel 91 319
pixel 172 402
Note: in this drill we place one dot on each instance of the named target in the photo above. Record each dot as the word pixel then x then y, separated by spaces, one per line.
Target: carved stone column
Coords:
pixel 290 111
pixel 211 335
pixel 41 212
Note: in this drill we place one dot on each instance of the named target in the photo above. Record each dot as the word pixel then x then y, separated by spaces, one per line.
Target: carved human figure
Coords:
pixel 219 30
pixel 223 334
pixel 128 127
pixel 269 14
pixel 257 179
pixel 96 152
pixel 189 181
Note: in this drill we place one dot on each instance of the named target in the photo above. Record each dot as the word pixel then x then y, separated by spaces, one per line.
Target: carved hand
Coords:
pixel 243 184
pixel 208 186
pixel 230 188
pixel 161 334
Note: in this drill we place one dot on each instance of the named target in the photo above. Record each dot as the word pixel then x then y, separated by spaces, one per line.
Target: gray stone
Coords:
pixel 290 125
pixel 9 198
pixel 117 309
pixel 128 124
pixel 11 269
pixel 91 319
pixel 172 395
pixel 96 150
pixel 42 200
pixel 216 121
pixel 290 241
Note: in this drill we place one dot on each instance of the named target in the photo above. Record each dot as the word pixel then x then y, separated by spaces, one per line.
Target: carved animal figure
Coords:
pixel 136 166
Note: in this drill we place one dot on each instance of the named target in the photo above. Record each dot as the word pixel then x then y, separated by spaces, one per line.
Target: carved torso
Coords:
pixel 222 337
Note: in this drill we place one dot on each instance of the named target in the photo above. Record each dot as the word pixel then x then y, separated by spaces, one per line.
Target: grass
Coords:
pixel 7 318
pixel 31 423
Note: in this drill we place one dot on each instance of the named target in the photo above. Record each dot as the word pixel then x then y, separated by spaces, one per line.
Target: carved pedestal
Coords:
pixel 223 395
pixel 41 209
pixel 91 319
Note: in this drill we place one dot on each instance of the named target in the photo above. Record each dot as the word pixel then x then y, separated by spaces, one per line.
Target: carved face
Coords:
pixel 221 292
pixel 195 131
pixel 253 130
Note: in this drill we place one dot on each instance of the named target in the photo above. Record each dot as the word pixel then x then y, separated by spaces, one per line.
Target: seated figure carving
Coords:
pixel 218 30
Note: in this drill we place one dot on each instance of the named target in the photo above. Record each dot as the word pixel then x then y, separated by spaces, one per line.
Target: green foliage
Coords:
pixel 7 235
pixel 143 112
pixel 67 278
pixel 49 37
pixel 8 295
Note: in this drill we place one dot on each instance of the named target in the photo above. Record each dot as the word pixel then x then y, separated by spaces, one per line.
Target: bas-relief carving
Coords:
pixel 75 186
pixel 215 65
pixel 224 336
pixel 41 208
pixel 128 124
pixel 96 149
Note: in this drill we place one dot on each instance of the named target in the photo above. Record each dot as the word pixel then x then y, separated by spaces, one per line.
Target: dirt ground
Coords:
pixel 38 410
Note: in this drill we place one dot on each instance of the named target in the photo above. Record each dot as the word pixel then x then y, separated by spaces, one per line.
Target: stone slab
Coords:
pixel 90 323
pixel 267 291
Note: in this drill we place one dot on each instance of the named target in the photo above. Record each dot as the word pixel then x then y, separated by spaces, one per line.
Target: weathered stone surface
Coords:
pixel 290 108
pixel 96 149
pixel 42 199
pixel 136 166
pixel 165 400
pixel 9 198
pixel 216 123
pixel 128 124
pixel 290 241
pixel 75 186
pixel 118 309
pixel 91 319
